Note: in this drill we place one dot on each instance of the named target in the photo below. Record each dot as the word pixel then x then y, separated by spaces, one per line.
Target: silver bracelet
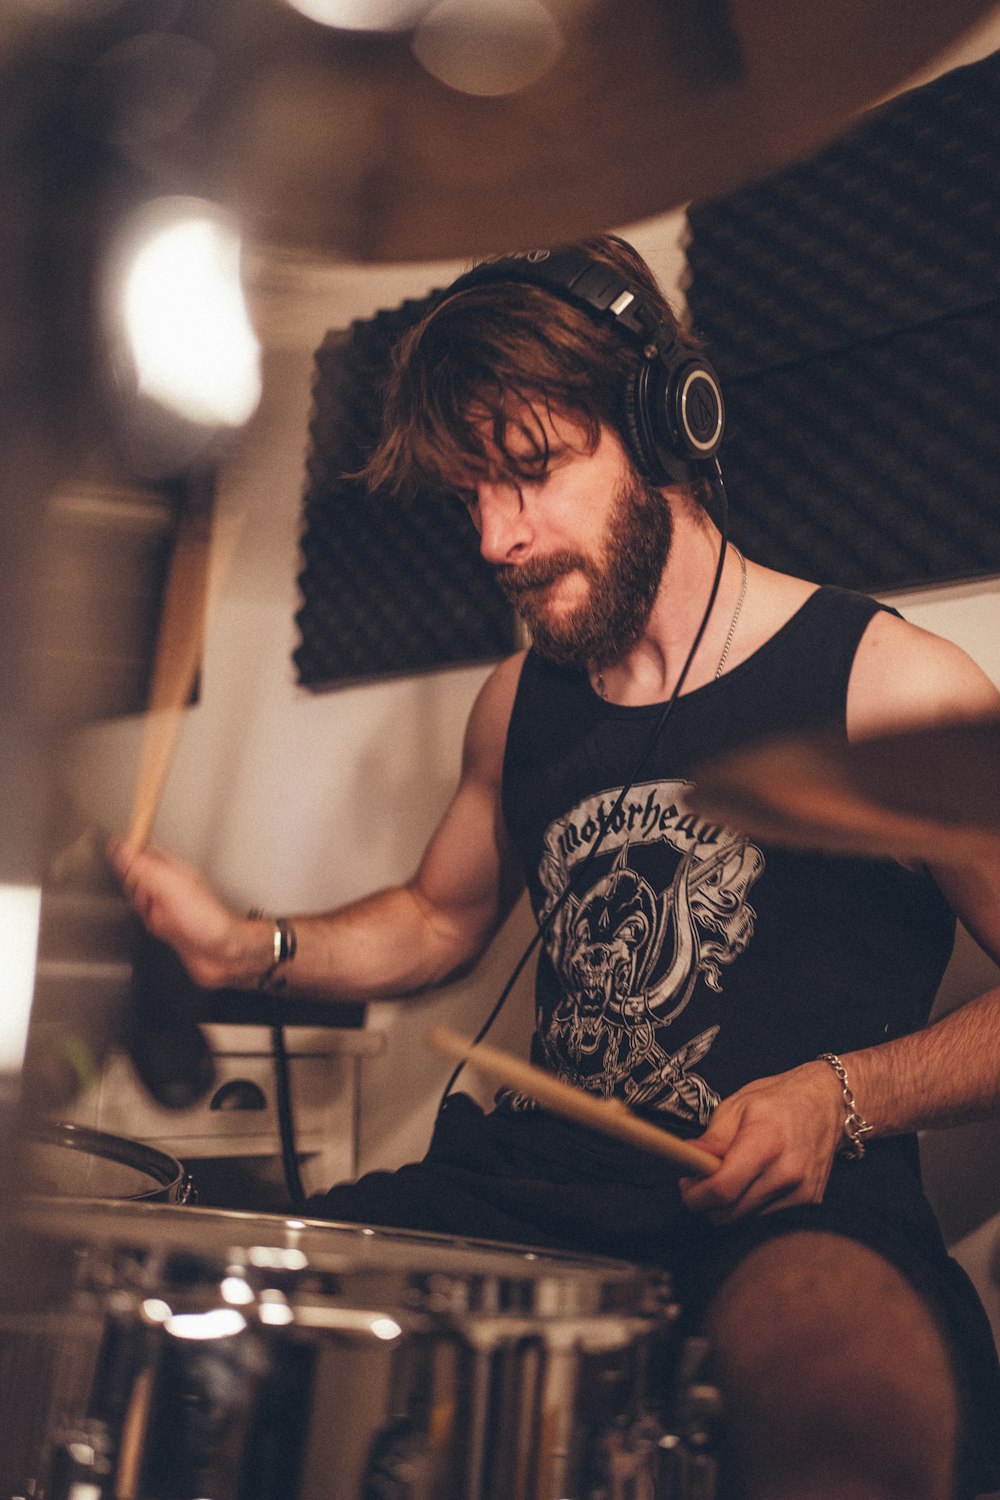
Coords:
pixel 285 944
pixel 856 1127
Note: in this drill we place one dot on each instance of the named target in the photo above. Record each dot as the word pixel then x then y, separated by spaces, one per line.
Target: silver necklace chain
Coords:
pixel 736 614
pixel 599 678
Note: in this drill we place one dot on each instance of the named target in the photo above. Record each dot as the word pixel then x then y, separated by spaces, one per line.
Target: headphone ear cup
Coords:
pixel 697 415
pixel 674 418
pixel 638 428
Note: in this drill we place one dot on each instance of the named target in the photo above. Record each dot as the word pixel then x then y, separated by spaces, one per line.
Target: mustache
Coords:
pixel 516 580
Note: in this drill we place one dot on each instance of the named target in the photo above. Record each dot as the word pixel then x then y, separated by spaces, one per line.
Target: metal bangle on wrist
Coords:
pixel 284 946
pixel 856 1127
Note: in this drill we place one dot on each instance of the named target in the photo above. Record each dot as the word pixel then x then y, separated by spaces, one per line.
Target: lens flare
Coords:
pixel 180 301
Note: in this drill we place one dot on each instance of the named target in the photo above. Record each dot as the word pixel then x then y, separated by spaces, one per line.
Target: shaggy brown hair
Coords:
pixel 474 373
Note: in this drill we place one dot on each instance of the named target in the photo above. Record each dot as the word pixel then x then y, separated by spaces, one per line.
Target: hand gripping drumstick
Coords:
pixel 609 1116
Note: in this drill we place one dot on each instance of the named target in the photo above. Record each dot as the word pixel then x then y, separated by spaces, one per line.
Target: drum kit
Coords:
pixel 154 1350
pixel 215 1353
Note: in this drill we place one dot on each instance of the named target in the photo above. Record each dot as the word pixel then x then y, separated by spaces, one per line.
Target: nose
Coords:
pixel 505 528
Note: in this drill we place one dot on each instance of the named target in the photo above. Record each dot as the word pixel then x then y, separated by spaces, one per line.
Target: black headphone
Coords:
pixel 673 403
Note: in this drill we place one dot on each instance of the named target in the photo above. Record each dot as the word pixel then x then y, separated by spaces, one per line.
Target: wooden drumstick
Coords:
pixel 201 555
pixel 609 1116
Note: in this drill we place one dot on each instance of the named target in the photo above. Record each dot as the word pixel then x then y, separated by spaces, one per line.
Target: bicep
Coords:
pixel 467 879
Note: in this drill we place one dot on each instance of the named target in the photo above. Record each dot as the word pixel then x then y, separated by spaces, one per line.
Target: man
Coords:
pixel 772 1003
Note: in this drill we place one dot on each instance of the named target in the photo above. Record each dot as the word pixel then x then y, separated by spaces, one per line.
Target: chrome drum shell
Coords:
pixel 247 1357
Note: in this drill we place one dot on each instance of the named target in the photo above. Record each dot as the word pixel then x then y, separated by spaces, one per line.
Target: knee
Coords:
pixel 835 1376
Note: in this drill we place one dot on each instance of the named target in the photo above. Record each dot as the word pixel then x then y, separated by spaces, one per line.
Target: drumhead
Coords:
pixel 63 1160
pixel 412 1269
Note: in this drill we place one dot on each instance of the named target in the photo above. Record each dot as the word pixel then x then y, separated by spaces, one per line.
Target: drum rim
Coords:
pixel 166 1171
pixel 260 1227
pixel 471 1277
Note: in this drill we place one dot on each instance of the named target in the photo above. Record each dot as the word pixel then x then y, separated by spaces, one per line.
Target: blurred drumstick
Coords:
pixel 201 556
pixel 609 1116
pixel 133 1438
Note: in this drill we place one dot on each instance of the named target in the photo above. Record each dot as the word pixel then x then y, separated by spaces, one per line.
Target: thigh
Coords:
pixel 832 1365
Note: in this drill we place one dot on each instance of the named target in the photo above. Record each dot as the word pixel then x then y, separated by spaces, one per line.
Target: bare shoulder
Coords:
pixel 904 676
pixel 772 599
pixel 486 732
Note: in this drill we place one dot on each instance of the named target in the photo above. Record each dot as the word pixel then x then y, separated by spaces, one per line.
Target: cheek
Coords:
pixel 578 524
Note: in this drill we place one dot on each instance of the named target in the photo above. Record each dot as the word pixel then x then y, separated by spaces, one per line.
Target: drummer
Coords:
pixel 772 1003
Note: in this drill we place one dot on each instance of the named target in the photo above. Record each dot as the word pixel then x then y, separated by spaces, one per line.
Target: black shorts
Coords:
pixel 533 1179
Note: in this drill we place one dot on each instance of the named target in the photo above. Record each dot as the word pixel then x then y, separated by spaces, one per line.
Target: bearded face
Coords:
pixel 621 582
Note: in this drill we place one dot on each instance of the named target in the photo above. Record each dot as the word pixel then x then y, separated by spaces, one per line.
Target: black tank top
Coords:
pixel 689 959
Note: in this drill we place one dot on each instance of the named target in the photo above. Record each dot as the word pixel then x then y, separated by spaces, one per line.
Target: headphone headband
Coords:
pixel 572 274
pixel 673 403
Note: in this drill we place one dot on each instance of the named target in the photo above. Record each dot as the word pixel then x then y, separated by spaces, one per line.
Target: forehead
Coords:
pixel 524 423
pixel 517 437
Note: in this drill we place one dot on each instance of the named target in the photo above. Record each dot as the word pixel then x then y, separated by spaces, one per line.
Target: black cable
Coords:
pixel 286 1120
pixel 719 487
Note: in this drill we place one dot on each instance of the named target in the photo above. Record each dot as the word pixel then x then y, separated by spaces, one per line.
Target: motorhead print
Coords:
pixel 629 949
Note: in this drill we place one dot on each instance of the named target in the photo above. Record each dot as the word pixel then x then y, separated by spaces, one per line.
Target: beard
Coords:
pixel 622 585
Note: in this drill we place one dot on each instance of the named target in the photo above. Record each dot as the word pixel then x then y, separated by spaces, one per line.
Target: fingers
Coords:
pixel 759 1173
pixel 776 1148
pixel 122 856
pixel 136 869
pixel 767 1191
pixel 123 864
pixel 133 862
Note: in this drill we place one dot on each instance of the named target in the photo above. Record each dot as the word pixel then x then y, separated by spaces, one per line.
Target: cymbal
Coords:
pixel 932 794
pixel 346 144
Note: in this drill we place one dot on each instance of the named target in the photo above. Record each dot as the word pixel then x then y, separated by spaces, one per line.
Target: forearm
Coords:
pixel 778 1136
pixel 942 1075
pixel 384 946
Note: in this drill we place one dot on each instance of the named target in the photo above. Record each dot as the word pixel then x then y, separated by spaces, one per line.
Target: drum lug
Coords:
pixel 80 1463
pixel 687 1468
pixel 186 1190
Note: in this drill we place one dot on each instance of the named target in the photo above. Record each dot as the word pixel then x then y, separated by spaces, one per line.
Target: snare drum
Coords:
pixel 61 1159
pixel 252 1357
pixel 44 1349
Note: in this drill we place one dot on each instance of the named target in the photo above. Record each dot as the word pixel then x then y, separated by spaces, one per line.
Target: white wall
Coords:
pixel 294 801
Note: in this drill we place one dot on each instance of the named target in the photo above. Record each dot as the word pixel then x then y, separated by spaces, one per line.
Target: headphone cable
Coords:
pixel 719 487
